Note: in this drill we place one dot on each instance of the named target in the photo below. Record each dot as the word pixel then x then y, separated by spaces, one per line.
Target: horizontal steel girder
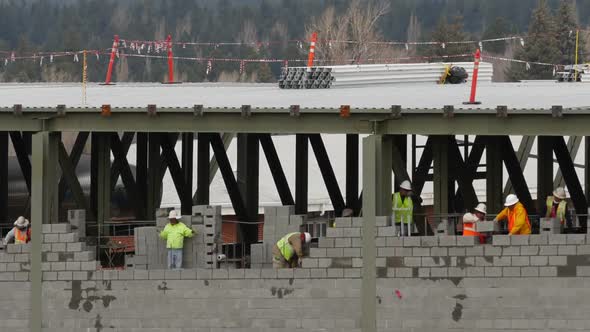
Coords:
pixel 571 122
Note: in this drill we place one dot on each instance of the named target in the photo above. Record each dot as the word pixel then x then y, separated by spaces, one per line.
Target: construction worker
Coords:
pixel 174 234
pixel 403 209
pixel 557 207
pixel 20 233
pixel 518 218
pixel 470 219
pixel 288 251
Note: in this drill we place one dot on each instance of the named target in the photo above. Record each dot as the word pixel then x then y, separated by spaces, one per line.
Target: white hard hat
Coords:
pixel 21 222
pixel 511 200
pixel 559 192
pixel 468 217
pixel 174 215
pixel 406 185
pixel 481 207
pixel 307 237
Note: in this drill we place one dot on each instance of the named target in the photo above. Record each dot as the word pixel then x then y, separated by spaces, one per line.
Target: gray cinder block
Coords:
pixel 285 211
pixel 501 240
pixel 486 226
pixel 447 241
pixel 77 218
pixel 61 228
pixel 343 222
pixel 519 240
pixel 550 226
pixel 467 240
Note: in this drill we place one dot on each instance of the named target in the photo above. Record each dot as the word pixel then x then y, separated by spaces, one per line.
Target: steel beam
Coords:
pixel 227 139
pixel 44 192
pixel 141 172
pixel 440 149
pixel 466 198
pixel 423 168
pixel 523 154
pixel 327 171
pixel 69 174
pixel 120 148
pixel 570 176
pixel 20 148
pixel 494 174
pixel 587 168
pixel 74 158
pixel 472 162
pixel 352 172
pixel 384 201
pixel 201 197
pixel 154 180
pixel 248 184
pixel 3 177
pixel 188 141
pixel 399 159
pixel 301 173
pixel 544 170
pixel 229 179
pixel 516 175
pixel 372 191
pixel 276 169
pixel 171 159
pixel 573 145
pixel 104 179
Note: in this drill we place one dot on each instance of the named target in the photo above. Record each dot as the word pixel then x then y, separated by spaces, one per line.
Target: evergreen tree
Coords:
pixel 540 46
pixel 567 25
pixel 499 28
pixel 444 33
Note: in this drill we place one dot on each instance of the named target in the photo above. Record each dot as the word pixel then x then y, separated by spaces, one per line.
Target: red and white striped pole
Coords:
pixel 170 60
pixel 314 39
pixel 112 60
pixel 474 80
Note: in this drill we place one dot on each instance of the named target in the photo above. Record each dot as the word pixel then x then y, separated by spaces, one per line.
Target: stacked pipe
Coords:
pixel 325 77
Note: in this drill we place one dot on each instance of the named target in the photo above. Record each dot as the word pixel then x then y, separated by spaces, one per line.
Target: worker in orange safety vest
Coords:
pixel 470 219
pixel 518 218
pixel 21 233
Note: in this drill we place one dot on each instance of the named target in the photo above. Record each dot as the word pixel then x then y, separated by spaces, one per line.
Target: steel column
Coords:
pixel 20 148
pixel 587 168
pixel 400 159
pixel 516 175
pixel 471 164
pixel 276 169
pixel 352 172
pixel 154 182
pixel 384 200
pixel 494 174
pixel 523 154
pixel 120 148
pixel 373 153
pixel 141 173
pixel 544 170
pixel 466 198
pixel 227 139
pixel 327 171
pixel 104 179
pixel 301 173
pixel 69 174
pixel 188 141
pixel 573 145
pixel 566 164
pixel 185 194
pixel 203 163
pixel 248 184
pixel 44 193
pixel 441 174
pixel 74 158
pixel 3 177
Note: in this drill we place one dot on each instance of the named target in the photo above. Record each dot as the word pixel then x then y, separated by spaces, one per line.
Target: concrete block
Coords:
pixel 157 274
pixel 269 273
pixel 383 221
pixel 141 274
pixel 61 228
pixel 317 252
pixel 50 238
pixel 583 271
pixel 302 273
pixel 529 250
pixel 411 241
pixel 6 276
pixel 566 250
pixel 352 273
pixel 80 275
pixel 85 256
pixel 547 250
pixel 58 266
pixel 342 242
pixel 45 247
pixel 343 222
pixel 447 241
pixel 519 240
pixel 357 262
pixel 12 248
pixel 351 252
pixel 336 273
pixel 270 211
pixel 324 262
pixel 123 274
pixel 557 260
pixel 45 266
pixel 465 241
pixel 6 258
pixel 538 239
pixel 402 251
pixel 490 271
pixel 108 275
pixel 46 228
pixel 474 271
pixel 549 226
pixel 252 273
pixel 503 261
pixel 486 226
pixel 429 241
pixel 334 232
pixel 379 242
pixel 511 271
pixel 21 258
pixel 394 241
pixel 310 263
pixel 88 266
pixel 575 239
pixel 501 240
pixel 521 261
pixel 21 276
pixel 412 261
pixel 457 272
pixel 68 237
pixel 319 273
pixel 511 251
pixel 351 232
pixel 386 252
pixel 324 242
pixel 65 275
pixel 557 239
pixel 58 247
pixel 438 251
pixel 357 222
pixel 474 251
pixel 484 261
pixel 439 272
pixel 25 248
pixel 423 272
pixel 583 250
pixel 386 231
pixel 420 252
pixel 75 247
pixel 456 251
pixel 73 266
pixel 285 273
pixel 49 276
pixel 529 271
pixel 539 260
pixel 548 271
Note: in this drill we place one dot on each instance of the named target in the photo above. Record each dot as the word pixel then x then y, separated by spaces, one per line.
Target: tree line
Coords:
pixel 35 26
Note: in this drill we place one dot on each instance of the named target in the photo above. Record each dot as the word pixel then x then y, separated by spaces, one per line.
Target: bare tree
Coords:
pixel 249 34
pixel 330 28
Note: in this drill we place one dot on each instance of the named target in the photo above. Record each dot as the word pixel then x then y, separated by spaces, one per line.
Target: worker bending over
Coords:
pixel 174 234
pixel 470 219
pixel 403 209
pixel 518 218
pixel 288 252
pixel 557 207
pixel 20 233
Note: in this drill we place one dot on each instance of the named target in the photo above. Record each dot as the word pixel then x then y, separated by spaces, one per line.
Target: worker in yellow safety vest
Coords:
pixel 403 209
pixel 518 218
pixel 21 233
pixel 557 207
pixel 288 251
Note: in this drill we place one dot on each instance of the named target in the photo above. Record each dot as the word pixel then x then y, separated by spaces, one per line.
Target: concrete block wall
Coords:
pixel 200 251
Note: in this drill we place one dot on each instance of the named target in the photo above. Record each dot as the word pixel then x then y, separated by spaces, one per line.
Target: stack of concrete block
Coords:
pixel 550 226
pixel 77 219
pixel 278 222
pixel 199 251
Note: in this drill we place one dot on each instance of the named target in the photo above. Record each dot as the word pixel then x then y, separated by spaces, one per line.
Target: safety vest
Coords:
pixel 512 217
pixel 561 207
pixel 469 226
pixel 285 247
pixel 21 237
pixel 402 211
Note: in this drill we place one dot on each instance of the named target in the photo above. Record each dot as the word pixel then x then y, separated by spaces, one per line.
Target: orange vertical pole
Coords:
pixel 112 60
pixel 314 39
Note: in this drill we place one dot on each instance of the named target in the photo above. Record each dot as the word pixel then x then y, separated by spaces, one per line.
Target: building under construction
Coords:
pixel 298 159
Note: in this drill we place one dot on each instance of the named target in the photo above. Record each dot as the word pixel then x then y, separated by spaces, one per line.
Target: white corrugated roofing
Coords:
pixel 514 95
